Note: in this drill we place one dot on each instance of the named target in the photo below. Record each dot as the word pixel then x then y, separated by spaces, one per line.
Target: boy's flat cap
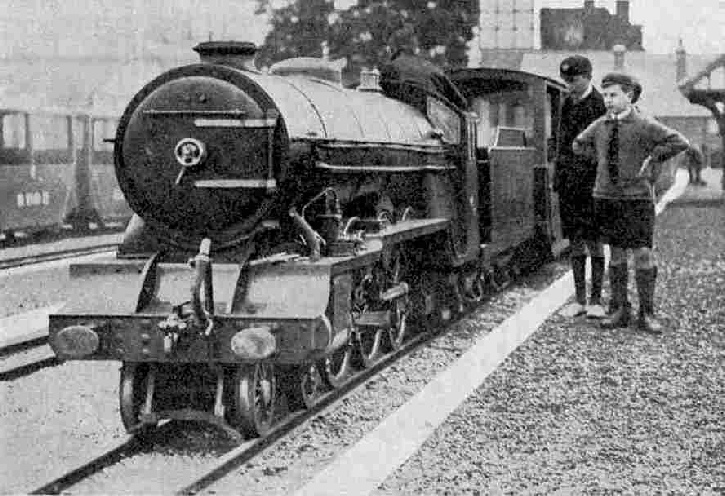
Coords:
pixel 625 80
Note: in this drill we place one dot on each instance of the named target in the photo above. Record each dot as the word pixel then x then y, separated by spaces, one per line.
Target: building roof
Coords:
pixel 657 73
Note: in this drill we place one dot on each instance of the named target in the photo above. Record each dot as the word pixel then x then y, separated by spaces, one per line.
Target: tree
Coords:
pixel 297 29
pixel 360 33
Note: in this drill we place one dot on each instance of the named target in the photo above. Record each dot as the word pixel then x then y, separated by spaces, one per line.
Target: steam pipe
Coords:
pixel 203 275
pixel 312 238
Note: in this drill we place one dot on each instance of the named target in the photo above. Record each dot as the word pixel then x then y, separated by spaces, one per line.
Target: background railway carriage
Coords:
pixel 36 169
pixel 55 170
pixel 319 220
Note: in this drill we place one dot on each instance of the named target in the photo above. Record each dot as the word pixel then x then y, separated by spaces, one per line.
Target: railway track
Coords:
pixel 26 353
pixel 218 468
pixel 243 453
pixel 22 261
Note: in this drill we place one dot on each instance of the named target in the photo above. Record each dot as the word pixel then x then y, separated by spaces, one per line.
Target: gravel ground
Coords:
pixel 294 460
pixel 55 419
pixel 35 290
pixel 579 410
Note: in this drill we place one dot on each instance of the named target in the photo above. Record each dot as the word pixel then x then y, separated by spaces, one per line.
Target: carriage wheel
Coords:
pixel 371 346
pixel 338 366
pixel 132 394
pixel 254 397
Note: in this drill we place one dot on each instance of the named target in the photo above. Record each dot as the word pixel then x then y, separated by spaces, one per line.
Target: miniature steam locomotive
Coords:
pixel 289 230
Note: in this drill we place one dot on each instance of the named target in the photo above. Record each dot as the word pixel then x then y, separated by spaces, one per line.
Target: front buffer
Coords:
pixel 206 343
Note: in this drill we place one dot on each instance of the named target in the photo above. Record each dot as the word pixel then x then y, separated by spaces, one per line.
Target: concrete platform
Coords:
pixel 710 194
pixel 498 421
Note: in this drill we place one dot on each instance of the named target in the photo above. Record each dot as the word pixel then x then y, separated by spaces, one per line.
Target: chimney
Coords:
pixel 237 54
pixel 619 52
pixel 681 62
pixel 588 5
pixel 369 80
pixel 623 10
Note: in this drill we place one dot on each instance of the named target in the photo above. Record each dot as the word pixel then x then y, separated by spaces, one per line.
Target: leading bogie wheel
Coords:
pixel 338 366
pixel 254 398
pixel 371 346
pixel 132 394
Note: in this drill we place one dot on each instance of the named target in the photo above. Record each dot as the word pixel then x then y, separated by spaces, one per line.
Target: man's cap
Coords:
pixel 625 81
pixel 576 65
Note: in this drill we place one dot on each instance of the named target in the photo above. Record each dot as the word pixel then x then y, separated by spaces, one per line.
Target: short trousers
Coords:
pixel 578 219
pixel 626 223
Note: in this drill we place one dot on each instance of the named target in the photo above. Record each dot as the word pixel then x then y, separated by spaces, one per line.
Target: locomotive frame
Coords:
pixel 366 215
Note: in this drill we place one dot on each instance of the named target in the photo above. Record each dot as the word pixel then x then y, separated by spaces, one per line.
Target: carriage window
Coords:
pixel 14 131
pixel 49 132
pixel 103 129
pixel 79 135
pixel 445 119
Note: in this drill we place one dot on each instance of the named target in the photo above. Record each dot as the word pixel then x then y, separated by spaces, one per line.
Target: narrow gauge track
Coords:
pixel 250 449
pixel 26 359
pixel 245 451
pixel 25 354
pixel 14 262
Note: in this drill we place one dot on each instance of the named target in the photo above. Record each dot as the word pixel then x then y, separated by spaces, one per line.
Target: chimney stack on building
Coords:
pixel 588 5
pixel 681 63
pixel 623 10
pixel 619 52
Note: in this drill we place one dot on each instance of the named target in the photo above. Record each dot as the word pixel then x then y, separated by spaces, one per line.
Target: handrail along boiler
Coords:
pixel 288 229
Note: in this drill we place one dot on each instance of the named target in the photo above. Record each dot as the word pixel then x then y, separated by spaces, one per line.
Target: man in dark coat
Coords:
pixel 573 181
pixel 408 77
pixel 695 159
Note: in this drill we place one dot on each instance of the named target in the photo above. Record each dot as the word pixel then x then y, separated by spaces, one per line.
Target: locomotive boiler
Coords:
pixel 288 229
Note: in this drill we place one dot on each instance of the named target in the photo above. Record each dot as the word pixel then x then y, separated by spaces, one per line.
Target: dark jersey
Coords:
pixel 407 72
pixel 575 174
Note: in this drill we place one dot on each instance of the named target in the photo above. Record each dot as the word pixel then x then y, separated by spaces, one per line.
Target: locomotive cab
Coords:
pixel 517 115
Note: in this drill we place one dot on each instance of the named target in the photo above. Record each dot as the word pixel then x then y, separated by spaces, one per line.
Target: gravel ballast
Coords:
pixel 297 458
pixel 581 410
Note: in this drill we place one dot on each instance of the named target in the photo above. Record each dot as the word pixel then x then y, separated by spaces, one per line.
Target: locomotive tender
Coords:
pixel 289 229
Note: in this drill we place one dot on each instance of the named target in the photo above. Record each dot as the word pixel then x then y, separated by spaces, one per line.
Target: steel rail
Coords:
pixel 126 449
pixel 244 454
pixel 14 262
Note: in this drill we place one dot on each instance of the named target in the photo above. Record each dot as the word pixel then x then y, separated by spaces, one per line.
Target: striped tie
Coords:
pixel 613 155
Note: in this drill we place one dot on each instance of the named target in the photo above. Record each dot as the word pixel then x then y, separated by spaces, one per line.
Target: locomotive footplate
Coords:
pixel 277 308
pixel 216 355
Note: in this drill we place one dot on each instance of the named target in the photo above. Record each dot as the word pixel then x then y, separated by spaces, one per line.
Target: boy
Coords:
pixel 630 149
pixel 573 181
